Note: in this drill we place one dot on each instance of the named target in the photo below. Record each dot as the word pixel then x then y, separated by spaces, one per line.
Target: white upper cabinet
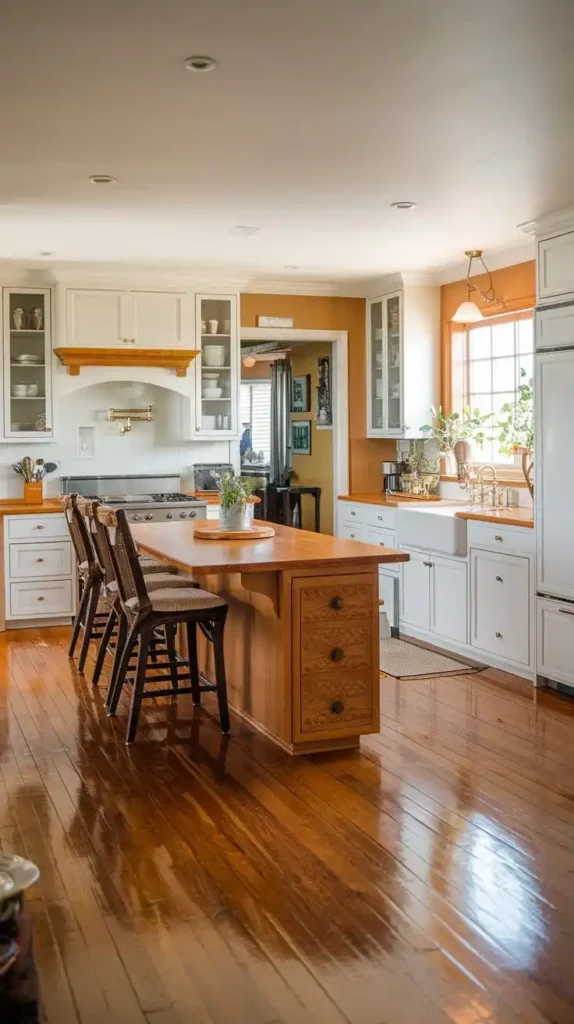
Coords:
pixel 27 348
pixel 161 319
pixel 97 317
pixel 555 327
pixel 555 268
pixel 403 358
pixel 149 319
pixel 216 368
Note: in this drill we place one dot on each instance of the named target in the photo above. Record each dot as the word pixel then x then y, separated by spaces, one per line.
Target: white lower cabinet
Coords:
pixel 434 595
pixel 555 646
pixel 448 604
pixel 500 603
pixel 39 567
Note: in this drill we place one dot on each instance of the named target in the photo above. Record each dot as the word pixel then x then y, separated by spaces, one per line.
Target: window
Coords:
pixel 487 360
pixel 255 409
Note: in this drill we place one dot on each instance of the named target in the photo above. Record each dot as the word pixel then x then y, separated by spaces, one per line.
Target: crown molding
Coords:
pixel 290 286
pixel 549 222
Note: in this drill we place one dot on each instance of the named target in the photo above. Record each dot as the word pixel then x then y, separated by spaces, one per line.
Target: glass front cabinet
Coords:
pixel 27 364
pixel 217 367
pixel 385 366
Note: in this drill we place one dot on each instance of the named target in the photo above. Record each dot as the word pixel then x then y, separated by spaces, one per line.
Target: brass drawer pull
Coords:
pixel 337 654
pixel 337 603
pixel 337 707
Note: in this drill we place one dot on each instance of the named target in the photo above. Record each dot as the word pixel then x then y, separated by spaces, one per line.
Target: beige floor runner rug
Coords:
pixel 406 660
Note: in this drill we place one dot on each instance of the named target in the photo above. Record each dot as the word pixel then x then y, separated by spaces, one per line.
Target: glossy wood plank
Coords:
pixel 426 877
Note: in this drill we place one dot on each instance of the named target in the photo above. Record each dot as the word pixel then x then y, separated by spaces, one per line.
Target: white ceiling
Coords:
pixel 319 114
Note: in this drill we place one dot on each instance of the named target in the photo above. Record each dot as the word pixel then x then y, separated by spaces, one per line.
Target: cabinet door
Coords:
pixel 555 267
pixel 393 365
pixel 384 366
pixel 415 590
pixel 554 491
pixel 448 581
pixel 161 319
pixel 555 327
pixel 217 367
pixel 555 647
pixel 97 316
pixel 500 605
pixel 27 364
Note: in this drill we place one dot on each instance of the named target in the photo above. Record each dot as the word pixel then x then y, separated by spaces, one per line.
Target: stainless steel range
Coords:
pixel 146 499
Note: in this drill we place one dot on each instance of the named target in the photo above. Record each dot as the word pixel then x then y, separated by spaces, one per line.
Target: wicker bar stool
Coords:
pixel 146 611
pixel 116 630
pixel 90 580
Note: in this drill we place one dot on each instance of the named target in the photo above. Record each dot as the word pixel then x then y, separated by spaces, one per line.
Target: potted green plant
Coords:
pixel 450 430
pixel 235 502
pixel 516 435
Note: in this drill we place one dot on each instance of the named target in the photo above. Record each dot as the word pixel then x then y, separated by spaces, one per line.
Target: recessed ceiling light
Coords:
pixel 46 254
pixel 403 204
pixel 199 63
pixel 290 266
pixel 101 179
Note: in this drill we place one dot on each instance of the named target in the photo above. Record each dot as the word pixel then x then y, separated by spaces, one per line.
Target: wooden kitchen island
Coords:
pixel 302 635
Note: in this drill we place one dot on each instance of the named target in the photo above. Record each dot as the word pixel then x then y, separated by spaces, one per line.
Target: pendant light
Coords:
pixel 468 312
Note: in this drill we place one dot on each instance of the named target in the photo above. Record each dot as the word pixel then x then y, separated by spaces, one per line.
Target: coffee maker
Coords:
pixel 391 476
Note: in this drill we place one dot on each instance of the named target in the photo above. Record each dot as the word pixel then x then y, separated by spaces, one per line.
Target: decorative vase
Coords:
pixel 34 493
pixel 236 517
pixel 447 464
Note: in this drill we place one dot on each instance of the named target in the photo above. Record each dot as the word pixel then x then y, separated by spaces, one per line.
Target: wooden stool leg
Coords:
pixel 220 679
pixel 118 651
pixel 103 647
pixel 89 624
pixel 78 621
pixel 170 632
pixel 193 664
pixel 138 687
pixel 120 676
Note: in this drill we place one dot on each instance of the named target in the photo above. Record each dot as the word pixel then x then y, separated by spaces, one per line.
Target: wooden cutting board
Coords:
pixel 213 530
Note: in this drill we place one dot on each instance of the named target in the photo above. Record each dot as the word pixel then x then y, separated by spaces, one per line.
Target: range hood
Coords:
pixel 178 359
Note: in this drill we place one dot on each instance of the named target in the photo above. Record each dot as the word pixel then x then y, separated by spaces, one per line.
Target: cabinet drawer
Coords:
pixel 500 605
pixel 38 600
pixel 354 531
pixel 368 515
pixel 36 527
pixel 340 701
pixel 384 539
pixel 555 327
pixel 518 539
pixel 336 648
pixel 34 561
pixel 555 647
pixel 337 598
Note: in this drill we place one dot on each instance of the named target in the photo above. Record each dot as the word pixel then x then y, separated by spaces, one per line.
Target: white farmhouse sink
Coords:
pixel 432 529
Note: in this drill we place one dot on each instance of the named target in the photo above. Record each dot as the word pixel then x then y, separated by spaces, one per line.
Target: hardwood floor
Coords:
pixel 428 878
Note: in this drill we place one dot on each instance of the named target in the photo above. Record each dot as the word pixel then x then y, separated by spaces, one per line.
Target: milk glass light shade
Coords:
pixel 467 313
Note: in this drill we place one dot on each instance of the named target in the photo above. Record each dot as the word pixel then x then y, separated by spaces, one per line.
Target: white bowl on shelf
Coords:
pixel 212 392
pixel 214 355
pixel 28 357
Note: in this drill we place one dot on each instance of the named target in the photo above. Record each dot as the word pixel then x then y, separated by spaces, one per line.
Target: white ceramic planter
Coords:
pixel 235 518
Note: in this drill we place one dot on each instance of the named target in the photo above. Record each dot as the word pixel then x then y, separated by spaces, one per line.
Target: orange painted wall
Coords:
pixel 515 286
pixel 335 314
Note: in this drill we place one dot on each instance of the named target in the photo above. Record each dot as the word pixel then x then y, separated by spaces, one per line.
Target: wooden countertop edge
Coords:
pixel 505 518
pixel 273 566
pixel 17 507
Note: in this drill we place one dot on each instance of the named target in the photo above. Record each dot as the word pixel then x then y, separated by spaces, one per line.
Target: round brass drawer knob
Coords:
pixel 337 707
pixel 337 603
pixel 337 654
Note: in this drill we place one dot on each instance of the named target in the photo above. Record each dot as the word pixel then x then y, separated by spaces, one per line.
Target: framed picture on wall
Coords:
pixel 301 393
pixel 301 437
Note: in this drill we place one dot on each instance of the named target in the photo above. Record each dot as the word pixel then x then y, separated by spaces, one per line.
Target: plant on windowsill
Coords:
pixel 235 501
pixel 516 435
pixel 450 430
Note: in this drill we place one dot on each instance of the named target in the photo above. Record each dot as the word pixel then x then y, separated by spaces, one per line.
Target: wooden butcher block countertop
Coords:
pixel 517 516
pixel 17 507
pixel 288 549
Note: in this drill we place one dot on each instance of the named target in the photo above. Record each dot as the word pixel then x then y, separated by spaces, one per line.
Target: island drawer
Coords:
pixel 336 648
pixel 337 702
pixel 334 598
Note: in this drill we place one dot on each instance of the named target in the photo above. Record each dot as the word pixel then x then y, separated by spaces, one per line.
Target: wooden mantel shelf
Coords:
pixel 177 359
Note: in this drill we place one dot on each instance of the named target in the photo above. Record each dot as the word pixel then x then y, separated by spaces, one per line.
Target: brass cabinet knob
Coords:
pixel 337 603
pixel 499 635
pixel 337 654
pixel 337 707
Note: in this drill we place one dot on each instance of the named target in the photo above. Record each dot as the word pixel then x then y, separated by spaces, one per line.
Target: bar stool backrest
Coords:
pixel 123 552
pixel 78 531
pixel 99 538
